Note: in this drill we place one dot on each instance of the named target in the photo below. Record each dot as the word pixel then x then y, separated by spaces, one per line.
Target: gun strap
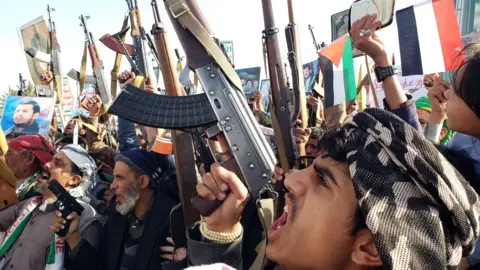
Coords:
pixel 265 213
pixel 83 69
pixel 181 12
pixel 118 61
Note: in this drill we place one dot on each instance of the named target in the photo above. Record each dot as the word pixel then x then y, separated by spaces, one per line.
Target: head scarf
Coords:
pixel 423 103
pixel 87 166
pixel 38 145
pixel 419 209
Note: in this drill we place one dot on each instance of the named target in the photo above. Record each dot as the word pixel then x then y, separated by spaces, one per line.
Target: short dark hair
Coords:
pixel 468 86
pixel 334 143
pixel 69 140
pixel 36 106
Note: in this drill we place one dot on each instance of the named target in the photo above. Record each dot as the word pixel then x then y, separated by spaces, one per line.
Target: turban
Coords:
pixel 85 163
pixel 38 145
pixel 420 210
pixel 423 103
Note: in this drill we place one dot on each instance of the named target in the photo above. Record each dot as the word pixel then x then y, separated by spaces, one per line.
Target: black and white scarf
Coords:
pixel 420 210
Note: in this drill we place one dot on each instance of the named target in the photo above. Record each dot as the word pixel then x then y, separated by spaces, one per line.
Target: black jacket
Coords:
pixel 112 247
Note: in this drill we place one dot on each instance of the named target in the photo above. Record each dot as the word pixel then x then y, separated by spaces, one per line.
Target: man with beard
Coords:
pixel 24 118
pixel 29 243
pixel 139 217
pixel 26 157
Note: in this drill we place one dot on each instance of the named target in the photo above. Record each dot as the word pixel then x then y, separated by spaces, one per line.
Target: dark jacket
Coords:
pixel 32 129
pixel 112 247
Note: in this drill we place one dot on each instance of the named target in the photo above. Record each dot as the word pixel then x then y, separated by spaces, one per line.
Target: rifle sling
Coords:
pixel 266 214
pixel 181 12
pixel 83 68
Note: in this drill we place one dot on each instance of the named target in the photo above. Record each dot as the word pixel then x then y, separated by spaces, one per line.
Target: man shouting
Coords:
pixel 138 220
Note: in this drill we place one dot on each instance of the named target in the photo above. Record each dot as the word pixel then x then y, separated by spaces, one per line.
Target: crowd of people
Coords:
pixel 392 188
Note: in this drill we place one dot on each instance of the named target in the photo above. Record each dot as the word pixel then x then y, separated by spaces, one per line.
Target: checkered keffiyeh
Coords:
pixel 420 210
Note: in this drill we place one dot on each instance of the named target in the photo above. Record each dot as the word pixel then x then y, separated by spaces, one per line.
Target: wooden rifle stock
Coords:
pixel 298 81
pixel 281 97
pixel 182 142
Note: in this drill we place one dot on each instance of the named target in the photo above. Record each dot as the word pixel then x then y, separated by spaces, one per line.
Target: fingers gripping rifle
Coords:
pixel 222 109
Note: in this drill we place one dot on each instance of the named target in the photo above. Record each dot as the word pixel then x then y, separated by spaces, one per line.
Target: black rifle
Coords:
pixel 97 65
pixel 223 109
pixel 65 203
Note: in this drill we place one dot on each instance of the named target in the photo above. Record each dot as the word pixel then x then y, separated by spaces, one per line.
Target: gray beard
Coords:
pixel 130 201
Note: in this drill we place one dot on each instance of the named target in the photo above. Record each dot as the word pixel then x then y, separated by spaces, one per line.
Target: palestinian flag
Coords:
pixel 338 72
pixel 429 36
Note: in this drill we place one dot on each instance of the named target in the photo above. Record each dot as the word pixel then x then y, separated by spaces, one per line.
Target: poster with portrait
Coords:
pixel 340 28
pixel 27 115
pixel 310 71
pixel 265 88
pixel 250 78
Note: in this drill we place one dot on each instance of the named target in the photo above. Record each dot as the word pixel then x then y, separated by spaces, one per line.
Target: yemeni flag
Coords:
pixel 338 72
pixel 429 38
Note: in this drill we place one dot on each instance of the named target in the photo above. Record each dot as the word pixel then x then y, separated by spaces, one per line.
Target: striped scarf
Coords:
pixel 420 210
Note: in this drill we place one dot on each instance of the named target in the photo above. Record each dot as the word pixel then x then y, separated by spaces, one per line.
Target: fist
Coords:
pixel 125 78
pixel 215 185
pixel 313 101
pixel 92 105
pixel 58 223
pixel 46 77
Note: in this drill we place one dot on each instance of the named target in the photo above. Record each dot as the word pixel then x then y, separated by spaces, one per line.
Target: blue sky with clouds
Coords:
pixel 237 20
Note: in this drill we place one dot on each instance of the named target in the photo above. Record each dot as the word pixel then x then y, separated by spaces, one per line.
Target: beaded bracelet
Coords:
pixel 218 236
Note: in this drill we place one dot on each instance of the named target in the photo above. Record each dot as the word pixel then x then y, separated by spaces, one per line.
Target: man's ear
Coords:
pixel 74 181
pixel 144 181
pixel 443 133
pixel 31 160
pixel 364 250
pixel 35 116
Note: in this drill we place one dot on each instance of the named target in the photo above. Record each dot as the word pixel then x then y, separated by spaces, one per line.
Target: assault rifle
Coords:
pixel 52 58
pixel 281 108
pixel 315 43
pixel 137 50
pixel 97 64
pixel 182 141
pixel 222 110
pixel 312 119
pixel 295 60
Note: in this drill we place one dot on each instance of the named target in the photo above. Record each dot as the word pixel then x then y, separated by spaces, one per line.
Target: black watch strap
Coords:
pixel 384 72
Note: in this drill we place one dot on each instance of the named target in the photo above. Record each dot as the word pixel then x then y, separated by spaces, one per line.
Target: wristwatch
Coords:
pixel 384 72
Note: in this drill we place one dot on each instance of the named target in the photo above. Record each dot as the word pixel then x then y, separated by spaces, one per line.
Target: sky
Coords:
pixel 238 20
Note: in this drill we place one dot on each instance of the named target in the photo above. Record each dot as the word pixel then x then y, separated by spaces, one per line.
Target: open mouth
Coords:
pixel 279 224
pixel 45 178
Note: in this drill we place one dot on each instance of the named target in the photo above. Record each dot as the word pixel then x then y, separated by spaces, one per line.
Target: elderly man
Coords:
pixel 26 157
pixel 138 221
pixel 29 243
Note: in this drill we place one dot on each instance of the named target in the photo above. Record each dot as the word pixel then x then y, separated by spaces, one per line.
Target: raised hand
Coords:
pixel 226 218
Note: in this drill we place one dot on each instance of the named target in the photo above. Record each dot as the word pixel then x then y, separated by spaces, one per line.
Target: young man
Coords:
pixel 29 247
pixel 354 207
pixel 27 157
pixel 138 221
pixel 24 118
